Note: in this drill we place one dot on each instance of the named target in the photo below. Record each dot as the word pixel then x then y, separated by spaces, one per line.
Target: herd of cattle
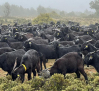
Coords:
pixel 23 48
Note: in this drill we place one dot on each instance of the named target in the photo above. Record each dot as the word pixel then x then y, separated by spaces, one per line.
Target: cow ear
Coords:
pixel 15 64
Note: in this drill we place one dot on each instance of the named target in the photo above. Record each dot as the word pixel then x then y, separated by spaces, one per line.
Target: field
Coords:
pixel 57 81
pixel 50 62
pixel 40 84
pixel 24 20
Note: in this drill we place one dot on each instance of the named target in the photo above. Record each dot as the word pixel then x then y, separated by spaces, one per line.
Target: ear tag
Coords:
pixel 59 45
pixel 68 36
pixel 87 32
pixel 92 30
pixel 86 46
pixel 16 29
pixel 15 35
pixel 57 34
pixel 77 28
pixel 30 43
pixel 18 75
pixel 5 38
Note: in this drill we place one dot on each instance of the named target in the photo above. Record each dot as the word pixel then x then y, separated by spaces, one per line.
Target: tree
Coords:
pixel 95 5
pixel 41 10
pixel 62 13
pixel 6 10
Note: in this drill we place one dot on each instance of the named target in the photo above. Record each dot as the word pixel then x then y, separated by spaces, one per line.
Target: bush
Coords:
pixel 37 82
pixel 55 83
pixel 42 18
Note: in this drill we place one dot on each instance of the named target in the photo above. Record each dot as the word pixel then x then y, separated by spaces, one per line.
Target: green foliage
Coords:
pixel 53 14
pixel 37 82
pixel 42 18
pixel 55 83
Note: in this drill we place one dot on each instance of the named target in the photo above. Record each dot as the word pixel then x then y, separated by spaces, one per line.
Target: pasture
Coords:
pixel 56 82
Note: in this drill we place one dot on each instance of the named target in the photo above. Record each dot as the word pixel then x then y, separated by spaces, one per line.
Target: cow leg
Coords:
pixel 22 78
pixel 34 73
pixel 29 74
pixel 41 64
pixel 78 74
pixel 46 60
pixel 81 69
pixel 38 67
pixel 44 65
pixel 64 73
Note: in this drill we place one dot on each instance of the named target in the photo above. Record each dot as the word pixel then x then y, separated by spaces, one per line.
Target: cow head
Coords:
pixel 27 44
pixel 13 73
pixel 4 38
pixel 18 71
pixel 89 58
pixel 87 47
pixel 16 35
pixel 53 70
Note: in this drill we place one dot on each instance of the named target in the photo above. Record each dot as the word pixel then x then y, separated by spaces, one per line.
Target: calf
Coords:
pixel 69 63
pixel 30 61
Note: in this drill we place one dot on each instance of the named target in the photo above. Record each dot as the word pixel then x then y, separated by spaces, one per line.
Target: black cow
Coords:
pixel 60 51
pixel 16 45
pixel 92 58
pixel 39 41
pixel 97 44
pixel 7 59
pixel 69 63
pixel 8 38
pixel 25 36
pixel 6 49
pixel 88 47
pixel 84 38
pixel 30 61
pixel 3 44
pixel 47 50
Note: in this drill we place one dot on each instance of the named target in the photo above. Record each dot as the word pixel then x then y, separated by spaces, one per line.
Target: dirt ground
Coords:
pixel 89 69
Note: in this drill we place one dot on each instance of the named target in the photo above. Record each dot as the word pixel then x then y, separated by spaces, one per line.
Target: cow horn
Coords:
pixel 97 51
pixel 15 64
pixel 92 52
pixel 54 39
pixel 88 41
pixel 58 39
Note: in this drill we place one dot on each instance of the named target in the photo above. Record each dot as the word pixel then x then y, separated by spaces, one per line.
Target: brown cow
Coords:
pixel 69 63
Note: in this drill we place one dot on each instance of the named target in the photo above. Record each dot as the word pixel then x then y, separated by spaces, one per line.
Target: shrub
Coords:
pixel 42 18
pixel 37 82
pixel 55 83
